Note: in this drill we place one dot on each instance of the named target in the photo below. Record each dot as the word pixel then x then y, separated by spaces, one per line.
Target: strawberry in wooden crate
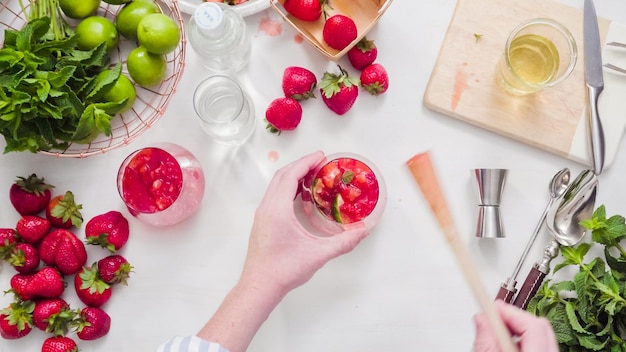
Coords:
pixel 306 10
pixel 339 31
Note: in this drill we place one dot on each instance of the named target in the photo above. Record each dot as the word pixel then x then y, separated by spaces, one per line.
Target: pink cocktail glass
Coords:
pixel 343 191
pixel 161 185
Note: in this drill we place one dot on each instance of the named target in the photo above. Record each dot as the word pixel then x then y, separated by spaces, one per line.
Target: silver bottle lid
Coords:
pixel 208 15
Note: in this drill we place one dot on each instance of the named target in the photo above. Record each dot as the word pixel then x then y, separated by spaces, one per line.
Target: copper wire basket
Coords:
pixel 151 102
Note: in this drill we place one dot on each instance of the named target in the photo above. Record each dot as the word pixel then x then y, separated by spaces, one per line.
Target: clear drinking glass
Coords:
pixel 343 191
pixel 161 185
pixel 538 54
pixel 225 110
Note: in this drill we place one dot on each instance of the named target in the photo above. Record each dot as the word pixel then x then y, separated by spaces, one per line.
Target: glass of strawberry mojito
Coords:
pixel 161 185
pixel 345 189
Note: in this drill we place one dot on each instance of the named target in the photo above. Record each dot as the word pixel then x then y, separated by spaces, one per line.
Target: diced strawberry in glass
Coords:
pixel 152 181
pixel 351 181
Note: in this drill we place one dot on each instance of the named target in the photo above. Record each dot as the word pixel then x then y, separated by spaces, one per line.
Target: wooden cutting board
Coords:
pixel 462 84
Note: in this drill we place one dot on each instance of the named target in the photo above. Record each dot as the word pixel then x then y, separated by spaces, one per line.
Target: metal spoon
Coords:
pixel 577 205
pixel 557 187
pixel 563 221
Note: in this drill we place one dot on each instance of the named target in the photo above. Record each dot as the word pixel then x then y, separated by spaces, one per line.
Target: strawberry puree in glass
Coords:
pixel 161 185
pixel 344 191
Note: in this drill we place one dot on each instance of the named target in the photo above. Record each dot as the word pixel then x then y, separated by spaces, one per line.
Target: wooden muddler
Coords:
pixel 422 170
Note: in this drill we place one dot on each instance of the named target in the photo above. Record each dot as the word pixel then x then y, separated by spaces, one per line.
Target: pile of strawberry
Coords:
pixel 339 91
pixel 46 253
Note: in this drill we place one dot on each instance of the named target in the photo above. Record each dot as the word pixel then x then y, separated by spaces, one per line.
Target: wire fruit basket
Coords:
pixel 151 102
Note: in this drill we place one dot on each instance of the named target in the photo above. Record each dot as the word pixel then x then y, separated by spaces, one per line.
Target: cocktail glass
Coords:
pixel 161 185
pixel 344 191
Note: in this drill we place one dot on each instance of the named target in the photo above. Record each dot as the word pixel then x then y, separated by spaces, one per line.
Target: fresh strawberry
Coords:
pixel 339 31
pixel 363 54
pixel 299 83
pixel 8 239
pixel 59 344
pixel 90 288
pixel 93 324
pixel 114 269
pixel 374 79
pixel 46 283
pixel 63 250
pixel 20 286
pixel 63 212
pixel 53 316
pixel 16 320
pixel 24 258
pixel 306 10
pixel 108 230
pixel 283 114
pixel 32 228
pixel 30 195
pixel 339 91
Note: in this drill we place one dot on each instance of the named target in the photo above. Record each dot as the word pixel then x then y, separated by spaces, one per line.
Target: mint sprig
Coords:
pixel 588 311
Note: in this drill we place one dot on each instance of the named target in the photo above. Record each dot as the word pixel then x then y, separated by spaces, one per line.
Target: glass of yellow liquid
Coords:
pixel 539 53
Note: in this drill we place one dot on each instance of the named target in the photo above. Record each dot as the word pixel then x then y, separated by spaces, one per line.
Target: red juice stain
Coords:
pixel 298 38
pixel 272 155
pixel 270 27
pixel 460 84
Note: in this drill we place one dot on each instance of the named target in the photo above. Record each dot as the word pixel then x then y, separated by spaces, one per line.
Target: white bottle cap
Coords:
pixel 208 15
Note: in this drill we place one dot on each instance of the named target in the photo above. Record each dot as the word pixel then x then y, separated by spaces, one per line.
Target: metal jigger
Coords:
pixel 489 184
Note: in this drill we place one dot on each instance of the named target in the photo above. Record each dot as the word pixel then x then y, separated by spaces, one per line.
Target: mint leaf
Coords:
pixel 59 78
pixel 570 311
pixel 575 255
pixel 612 233
pixel 591 343
pixel 103 82
pixel 615 263
pixel 93 121
pixel 9 57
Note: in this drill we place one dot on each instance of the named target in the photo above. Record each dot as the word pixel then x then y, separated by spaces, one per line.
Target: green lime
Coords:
pixel 117 2
pixel 122 89
pixel 79 9
pixel 145 68
pixel 337 203
pixel 158 33
pixel 131 14
pixel 94 30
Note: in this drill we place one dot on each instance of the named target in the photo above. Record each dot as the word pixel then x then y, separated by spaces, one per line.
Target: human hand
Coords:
pixel 534 333
pixel 282 254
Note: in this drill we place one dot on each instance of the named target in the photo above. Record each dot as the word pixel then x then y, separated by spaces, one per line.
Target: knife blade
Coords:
pixel 595 84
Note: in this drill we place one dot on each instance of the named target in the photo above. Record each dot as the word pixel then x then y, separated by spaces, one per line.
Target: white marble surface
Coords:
pixel 401 289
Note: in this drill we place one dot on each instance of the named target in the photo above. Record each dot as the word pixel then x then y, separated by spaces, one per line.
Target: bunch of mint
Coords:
pixel 52 93
pixel 588 312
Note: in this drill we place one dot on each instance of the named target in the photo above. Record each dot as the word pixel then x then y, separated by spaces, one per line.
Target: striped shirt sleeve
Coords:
pixel 190 343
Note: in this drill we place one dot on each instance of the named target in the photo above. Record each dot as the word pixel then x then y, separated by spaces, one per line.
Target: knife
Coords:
pixel 595 84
